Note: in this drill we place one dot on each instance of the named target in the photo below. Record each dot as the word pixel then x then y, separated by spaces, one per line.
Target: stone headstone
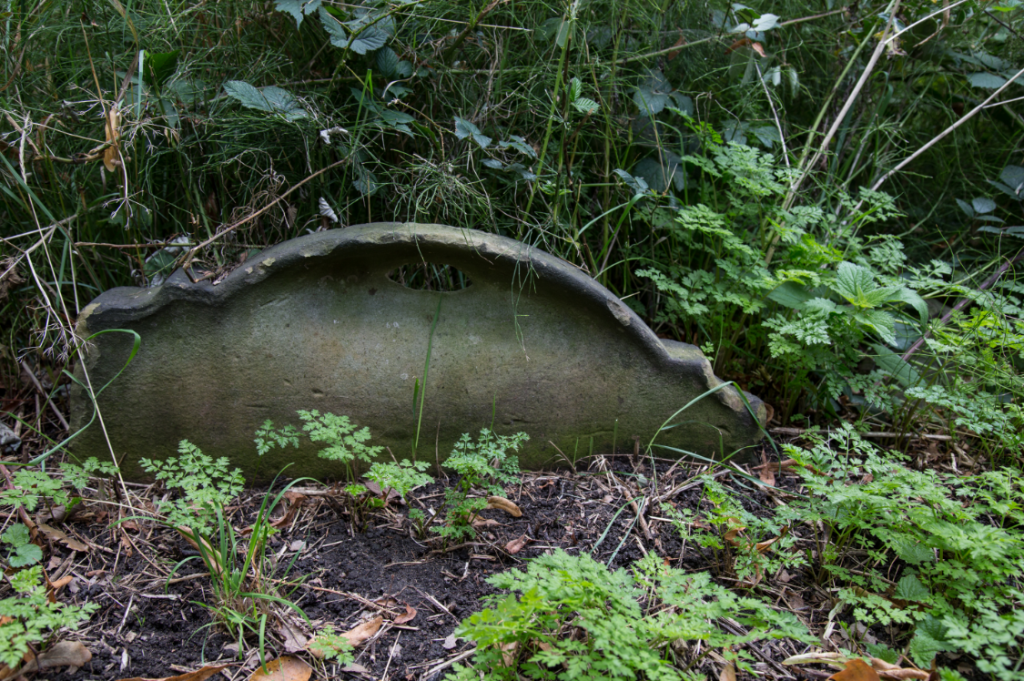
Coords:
pixel 532 344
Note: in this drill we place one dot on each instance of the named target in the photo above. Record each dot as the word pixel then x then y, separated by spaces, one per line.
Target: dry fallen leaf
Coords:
pixel 284 668
pixel 407 616
pixel 55 535
pixel 728 673
pixel 485 522
pixel 364 631
pixel 197 675
pixel 508 652
pixel 516 545
pixel 767 473
pixel 856 670
pixel 449 642
pixel 294 640
pixel 505 505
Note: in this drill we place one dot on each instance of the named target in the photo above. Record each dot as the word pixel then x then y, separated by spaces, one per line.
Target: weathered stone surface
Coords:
pixel 314 323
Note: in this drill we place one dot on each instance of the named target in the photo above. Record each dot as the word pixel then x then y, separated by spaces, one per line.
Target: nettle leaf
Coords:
pixel 637 184
pixel 766 22
pixel 910 588
pixel 464 129
pixel 989 81
pixel 913 299
pixel 297 8
pixel 494 163
pixel 853 281
pixel 882 323
pixel 270 99
pixel 791 294
pixel 336 32
pixel 983 204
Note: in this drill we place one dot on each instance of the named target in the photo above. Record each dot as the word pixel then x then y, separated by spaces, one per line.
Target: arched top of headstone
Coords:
pixel 531 344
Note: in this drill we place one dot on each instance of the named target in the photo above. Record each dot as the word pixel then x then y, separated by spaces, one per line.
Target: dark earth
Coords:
pixel 151 623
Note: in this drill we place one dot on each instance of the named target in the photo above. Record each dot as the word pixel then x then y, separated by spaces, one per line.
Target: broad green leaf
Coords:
pixel 493 163
pixel 464 129
pixel 336 32
pixel 637 184
pixel 791 294
pixel 371 38
pixel 270 99
pixel 684 104
pixel 299 9
pixel 28 554
pixel 910 588
pixel 912 298
pixel 387 62
pixel 966 208
pixel 652 95
pixel 575 89
pixel 159 67
pixel 766 22
pixel 519 144
pixel 882 323
pixel 983 204
pixel 988 81
pixel 16 535
pixel 586 105
pixel 853 281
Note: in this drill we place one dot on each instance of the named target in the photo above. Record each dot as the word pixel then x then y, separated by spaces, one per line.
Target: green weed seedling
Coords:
pixel 331 646
pixel 402 477
pixel 22 551
pixel 572 618
pixel 483 465
pixel 346 442
pixel 32 617
pixel 945 553
pixel 239 573
pixel 32 488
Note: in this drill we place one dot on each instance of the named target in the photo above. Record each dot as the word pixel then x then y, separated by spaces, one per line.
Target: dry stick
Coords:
pixel 49 401
pixel 261 211
pixel 853 96
pixel 945 132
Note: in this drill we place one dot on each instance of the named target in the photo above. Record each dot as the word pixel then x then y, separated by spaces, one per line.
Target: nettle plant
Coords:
pixel 737 255
pixel 572 618
pixel 483 466
pixel 945 554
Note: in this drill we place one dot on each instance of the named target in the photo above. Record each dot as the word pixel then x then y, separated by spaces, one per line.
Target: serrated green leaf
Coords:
pixel 791 294
pixel 910 588
pixel 853 282
pixel 519 144
pixel 270 99
pixel 988 81
pixel 17 535
pixel 299 9
pixel 387 62
pixel 575 89
pixel 335 31
pixel 892 364
pixel 586 105
pixel 966 208
pixel 464 128
pixel 766 22
pixel 371 38
pixel 881 322
pixel 28 554
pixel 983 204
pixel 404 69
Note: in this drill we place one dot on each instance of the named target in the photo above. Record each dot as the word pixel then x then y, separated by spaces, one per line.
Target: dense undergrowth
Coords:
pixel 826 199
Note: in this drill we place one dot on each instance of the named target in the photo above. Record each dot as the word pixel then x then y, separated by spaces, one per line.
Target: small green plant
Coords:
pixel 32 616
pixel 31 488
pixel 483 465
pixel 419 522
pixel 77 475
pixel 206 486
pixel 345 441
pixel 331 646
pixel 401 477
pixel 574 618
pixel 238 572
pixel 22 551
pixel 945 554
